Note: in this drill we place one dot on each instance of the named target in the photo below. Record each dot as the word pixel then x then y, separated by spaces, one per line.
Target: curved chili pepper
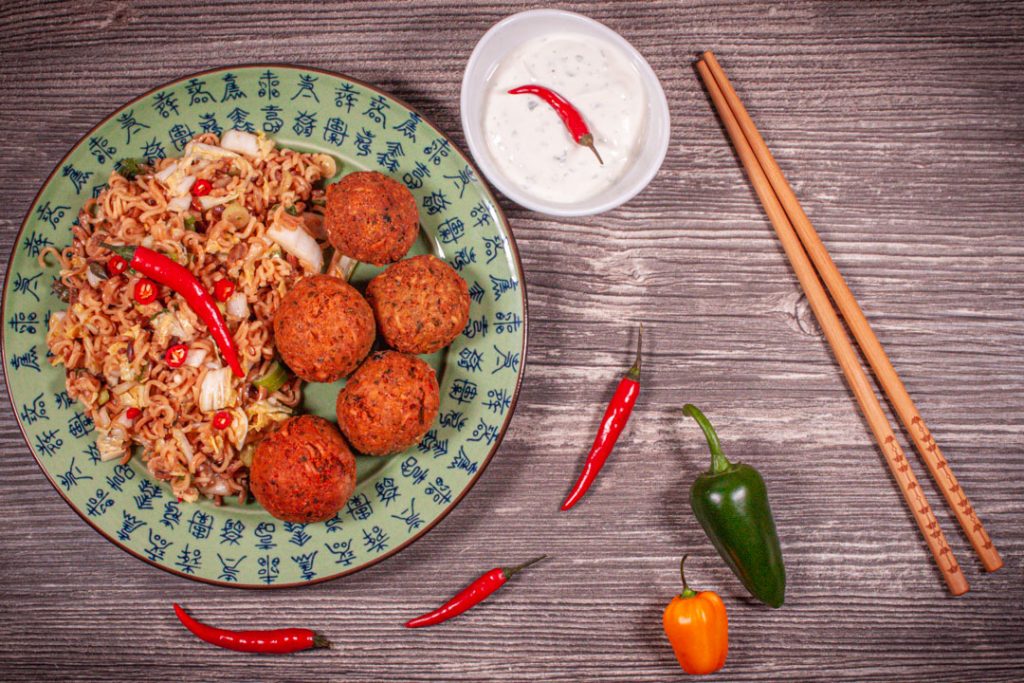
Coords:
pixel 277 641
pixel 471 595
pixel 570 116
pixel 181 280
pixel 614 420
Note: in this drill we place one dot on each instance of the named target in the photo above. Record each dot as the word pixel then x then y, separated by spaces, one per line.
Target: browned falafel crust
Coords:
pixel 421 304
pixel 323 328
pixel 388 404
pixel 304 471
pixel 371 217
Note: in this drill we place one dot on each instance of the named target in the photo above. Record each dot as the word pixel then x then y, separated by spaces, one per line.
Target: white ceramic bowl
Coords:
pixel 506 36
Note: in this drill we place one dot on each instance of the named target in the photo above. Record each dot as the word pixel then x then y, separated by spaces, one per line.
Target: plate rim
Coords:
pixel 517 261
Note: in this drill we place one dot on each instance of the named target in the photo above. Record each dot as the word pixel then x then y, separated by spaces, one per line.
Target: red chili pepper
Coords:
pixel 145 291
pixel 277 641
pixel 223 289
pixel 570 116
pixel 182 281
pixel 471 595
pixel 176 355
pixel 222 420
pixel 116 265
pixel 132 413
pixel 201 188
pixel 615 418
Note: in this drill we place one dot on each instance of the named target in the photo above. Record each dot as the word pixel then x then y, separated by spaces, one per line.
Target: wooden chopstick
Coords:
pixel 841 346
pixel 919 433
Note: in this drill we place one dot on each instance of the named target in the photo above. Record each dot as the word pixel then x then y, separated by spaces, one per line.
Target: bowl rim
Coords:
pixel 473 132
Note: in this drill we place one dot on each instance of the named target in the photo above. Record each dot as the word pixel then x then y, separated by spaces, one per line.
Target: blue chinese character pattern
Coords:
pixel 240 544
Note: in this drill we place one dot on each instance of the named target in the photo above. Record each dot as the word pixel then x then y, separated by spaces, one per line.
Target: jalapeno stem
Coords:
pixel 719 463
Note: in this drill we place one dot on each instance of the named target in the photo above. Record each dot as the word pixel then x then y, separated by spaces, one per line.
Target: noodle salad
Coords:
pixel 245 218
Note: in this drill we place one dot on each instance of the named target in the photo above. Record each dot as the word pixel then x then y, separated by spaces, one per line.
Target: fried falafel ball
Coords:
pixel 323 328
pixel 388 404
pixel 371 218
pixel 304 471
pixel 421 304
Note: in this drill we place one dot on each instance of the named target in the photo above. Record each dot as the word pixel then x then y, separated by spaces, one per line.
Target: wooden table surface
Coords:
pixel 901 127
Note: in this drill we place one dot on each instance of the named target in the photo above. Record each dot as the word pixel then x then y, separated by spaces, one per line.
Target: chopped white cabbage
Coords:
pixel 184 445
pixel 216 391
pixel 208 202
pixel 241 142
pixel 195 357
pixel 112 445
pixel 203 150
pixel 299 244
pixel 168 171
pixel 179 204
pixel 218 488
pixel 237 306
pixel 239 427
pixel 184 185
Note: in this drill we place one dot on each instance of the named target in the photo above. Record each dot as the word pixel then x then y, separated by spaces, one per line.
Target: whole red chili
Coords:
pixel 223 289
pixel 116 265
pixel 276 641
pixel 614 420
pixel 222 419
pixel 471 595
pixel 570 116
pixel 175 356
pixel 201 188
pixel 145 291
pixel 181 280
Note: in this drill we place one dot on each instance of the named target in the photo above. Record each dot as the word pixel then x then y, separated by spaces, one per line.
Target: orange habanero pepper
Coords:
pixel 698 629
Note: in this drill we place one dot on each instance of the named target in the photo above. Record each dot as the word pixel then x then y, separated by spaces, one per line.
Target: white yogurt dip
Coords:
pixel 529 142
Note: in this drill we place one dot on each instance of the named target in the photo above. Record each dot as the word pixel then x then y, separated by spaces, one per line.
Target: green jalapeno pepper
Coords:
pixel 731 503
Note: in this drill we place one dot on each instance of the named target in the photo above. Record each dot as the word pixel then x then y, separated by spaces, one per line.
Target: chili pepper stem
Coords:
pixel 587 140
pixel 520 567
pixel 687 591
pixel 634 372
pixel 320 641
pixel 124 252
pixel 719 463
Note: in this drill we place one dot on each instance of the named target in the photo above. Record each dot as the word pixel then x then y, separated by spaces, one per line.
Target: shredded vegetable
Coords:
pixel 216 392
pixel 275 378
pixel 299 244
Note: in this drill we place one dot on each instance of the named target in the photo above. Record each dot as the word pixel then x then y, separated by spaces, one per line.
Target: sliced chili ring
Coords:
pixel 145 291
pixel 116 265
pixel 176 355
pixel 201 187
pixel 223 289
pixel 132 413
pixel 222 419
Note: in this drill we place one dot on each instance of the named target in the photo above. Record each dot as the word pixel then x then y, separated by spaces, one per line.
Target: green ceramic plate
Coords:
pixel 398 499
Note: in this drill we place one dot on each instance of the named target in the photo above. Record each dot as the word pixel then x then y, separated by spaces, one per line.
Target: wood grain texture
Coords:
pixel 901 127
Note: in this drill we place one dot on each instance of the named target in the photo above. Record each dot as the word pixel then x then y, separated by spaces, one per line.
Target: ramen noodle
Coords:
pixel 256 227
